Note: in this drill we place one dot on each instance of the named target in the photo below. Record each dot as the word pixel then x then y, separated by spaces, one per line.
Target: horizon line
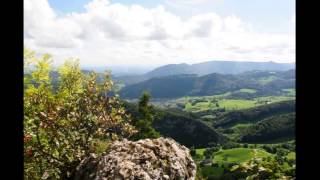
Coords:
pixel 144 65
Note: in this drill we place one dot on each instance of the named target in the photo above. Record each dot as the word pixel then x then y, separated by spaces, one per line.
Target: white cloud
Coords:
pixel 112 33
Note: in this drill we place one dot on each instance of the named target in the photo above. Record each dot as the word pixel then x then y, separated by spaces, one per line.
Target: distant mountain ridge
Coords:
pixel 205 68
pixel 222 67
pixel 264 82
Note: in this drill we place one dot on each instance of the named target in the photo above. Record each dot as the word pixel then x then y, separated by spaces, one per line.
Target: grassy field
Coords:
pixel 239 155
pixel 267 80
pixel 241 125
pixel 238 129
pixel 200 151
pixel 232 104
pixel 273 99
pixel 225 158
pixel 272 143
pixel 250 91
pixel 225 100
pixel 291 155
pixel 200 106
pixel 206 103
pixel 289 92
pixel 236 155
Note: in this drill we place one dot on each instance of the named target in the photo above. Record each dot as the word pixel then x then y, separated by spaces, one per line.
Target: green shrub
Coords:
pixel 61 127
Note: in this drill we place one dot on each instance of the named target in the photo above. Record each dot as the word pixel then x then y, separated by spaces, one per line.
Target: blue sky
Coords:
pixel 158 32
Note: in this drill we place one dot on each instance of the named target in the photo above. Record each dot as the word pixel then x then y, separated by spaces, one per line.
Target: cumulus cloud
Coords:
pixel 112 34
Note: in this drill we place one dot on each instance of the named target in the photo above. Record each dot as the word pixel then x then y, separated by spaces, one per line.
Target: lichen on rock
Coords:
pixel 147 159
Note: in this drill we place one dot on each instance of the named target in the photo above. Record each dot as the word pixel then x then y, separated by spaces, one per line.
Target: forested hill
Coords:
pixel 262 124
pixel 272 128
pixel 264 82
pixel 253 115
pixel 179 126
pixel 200 69
pixel 223 67
pixel 187 131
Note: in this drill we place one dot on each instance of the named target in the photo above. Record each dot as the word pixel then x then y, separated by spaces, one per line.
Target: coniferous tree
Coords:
pixel 145 119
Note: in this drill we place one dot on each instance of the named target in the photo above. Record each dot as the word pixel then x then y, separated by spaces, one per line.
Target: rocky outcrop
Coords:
pixel 147 159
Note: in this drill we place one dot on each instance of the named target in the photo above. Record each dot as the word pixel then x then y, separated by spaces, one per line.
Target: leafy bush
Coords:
pixel 230 145
pixel 61 127
pixel 208 153
pixel 258 169
pixel 269 149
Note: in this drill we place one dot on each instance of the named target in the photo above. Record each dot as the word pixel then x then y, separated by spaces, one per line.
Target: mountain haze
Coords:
pixel 222 67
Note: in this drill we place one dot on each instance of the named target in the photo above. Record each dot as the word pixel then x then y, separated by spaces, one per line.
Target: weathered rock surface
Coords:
pixel 147 159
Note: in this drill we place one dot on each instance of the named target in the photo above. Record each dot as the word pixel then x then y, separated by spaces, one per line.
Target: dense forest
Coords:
pixel 275 127
pixel 181 127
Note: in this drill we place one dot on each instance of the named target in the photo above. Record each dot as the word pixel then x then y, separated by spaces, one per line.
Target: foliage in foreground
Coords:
pixel 64 125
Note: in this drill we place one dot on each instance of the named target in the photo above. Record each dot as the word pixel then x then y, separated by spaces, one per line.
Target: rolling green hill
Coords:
pixel 165 87
pixel 188 131
pixel 272 128
pixel 205 68
pixel 181 85
pixel 181 127
pixel 253 115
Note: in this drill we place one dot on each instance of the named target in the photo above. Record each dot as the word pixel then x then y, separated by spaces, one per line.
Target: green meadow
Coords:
pixel 195 104
pixel 266 80
pixel 245 90
pixel 236 155
pixel 239 155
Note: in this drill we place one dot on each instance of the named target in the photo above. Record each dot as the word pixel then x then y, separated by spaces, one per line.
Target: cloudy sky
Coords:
pixel 157 32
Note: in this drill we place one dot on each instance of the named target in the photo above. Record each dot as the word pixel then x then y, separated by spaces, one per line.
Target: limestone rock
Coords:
pixel 146 159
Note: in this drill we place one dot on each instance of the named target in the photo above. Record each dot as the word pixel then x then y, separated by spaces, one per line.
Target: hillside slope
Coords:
pixel 272 128
pixel 185 130
pixel 266 83
pixel 253 115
